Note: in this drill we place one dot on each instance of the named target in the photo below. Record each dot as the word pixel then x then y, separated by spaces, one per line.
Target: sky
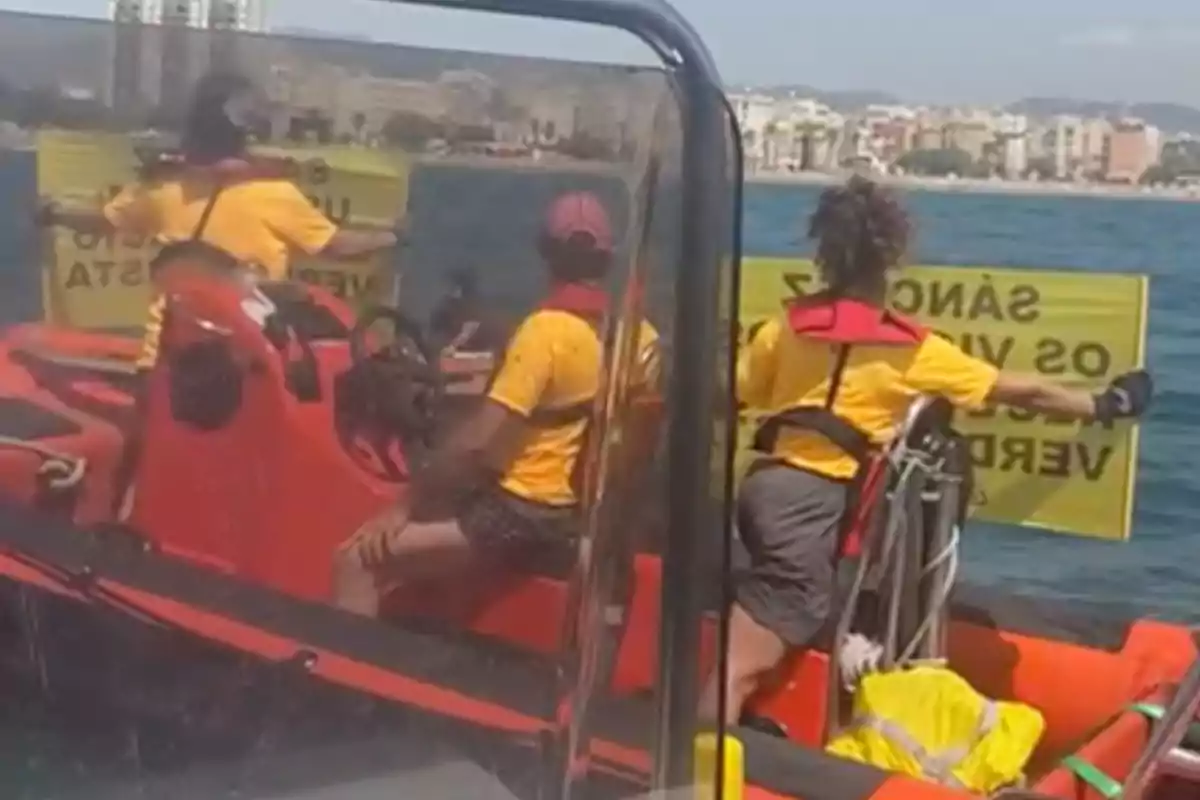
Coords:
pixel 932 51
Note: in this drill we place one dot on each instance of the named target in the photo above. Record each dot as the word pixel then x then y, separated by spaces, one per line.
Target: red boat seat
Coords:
pixel 240 470
pixel 31 413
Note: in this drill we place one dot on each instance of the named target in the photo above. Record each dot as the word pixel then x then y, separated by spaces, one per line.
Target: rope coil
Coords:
pixel 61 470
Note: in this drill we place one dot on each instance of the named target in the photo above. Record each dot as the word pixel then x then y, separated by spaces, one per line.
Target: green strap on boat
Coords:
pixel 1155 712
pixel 1094 777
pixel 1099 780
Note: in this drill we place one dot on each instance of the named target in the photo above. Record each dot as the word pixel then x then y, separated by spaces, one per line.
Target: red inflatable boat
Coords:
pixel 167 543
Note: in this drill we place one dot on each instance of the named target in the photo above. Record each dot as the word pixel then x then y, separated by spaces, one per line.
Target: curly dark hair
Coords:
pixel 861 230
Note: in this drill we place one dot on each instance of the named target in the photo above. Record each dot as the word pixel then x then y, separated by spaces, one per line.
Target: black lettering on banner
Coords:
pixel 1027 455
pixel 337 209
pixel 1023 303
pixel 77 277
pixel 1087 359
pixel 945 301
pixel 985 303
pixel 85 240
pixel 318 171
pixel 344 285
pixel 957 300
pixel 907 296
pixel 104 273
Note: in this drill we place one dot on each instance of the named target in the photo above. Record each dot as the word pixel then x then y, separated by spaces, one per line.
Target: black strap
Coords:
pixel 195 244
pixel 835 377
pixel 198 233
pixel 848 438
pixel 822 420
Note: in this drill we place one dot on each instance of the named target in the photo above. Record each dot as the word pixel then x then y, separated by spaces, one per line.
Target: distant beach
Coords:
pixel 553 163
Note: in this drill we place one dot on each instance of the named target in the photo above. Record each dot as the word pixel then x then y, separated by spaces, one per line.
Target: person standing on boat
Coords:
pixel 254 211
pixel 503 485
pixel 218 192
pixel 850 369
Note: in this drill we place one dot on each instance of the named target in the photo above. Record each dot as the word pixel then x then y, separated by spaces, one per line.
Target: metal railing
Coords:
pixel 909 550
pixel 1168 734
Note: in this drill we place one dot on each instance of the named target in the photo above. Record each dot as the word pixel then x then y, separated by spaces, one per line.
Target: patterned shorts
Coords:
pixel 503 525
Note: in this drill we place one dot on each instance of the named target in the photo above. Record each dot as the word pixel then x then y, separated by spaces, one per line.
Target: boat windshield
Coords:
pixel 340 382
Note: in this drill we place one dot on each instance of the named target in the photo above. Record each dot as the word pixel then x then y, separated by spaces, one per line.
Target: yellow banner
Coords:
pixel 1083 328
pixel 95 282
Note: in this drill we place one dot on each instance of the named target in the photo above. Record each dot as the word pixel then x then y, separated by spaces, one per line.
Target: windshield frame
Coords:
pixel 694 401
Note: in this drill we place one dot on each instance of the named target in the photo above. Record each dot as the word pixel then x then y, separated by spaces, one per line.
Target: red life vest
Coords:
pixel 586 301
pixel 844 323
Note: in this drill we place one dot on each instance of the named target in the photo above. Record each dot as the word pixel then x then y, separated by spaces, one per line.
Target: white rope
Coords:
pixel 950 554
pixel 62 471
pixel 860 655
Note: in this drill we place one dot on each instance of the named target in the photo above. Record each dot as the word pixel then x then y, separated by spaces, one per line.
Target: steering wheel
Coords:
pixel 387 402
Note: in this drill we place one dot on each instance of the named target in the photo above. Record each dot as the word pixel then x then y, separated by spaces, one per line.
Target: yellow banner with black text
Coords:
pixel 97 282
pixel 1077 327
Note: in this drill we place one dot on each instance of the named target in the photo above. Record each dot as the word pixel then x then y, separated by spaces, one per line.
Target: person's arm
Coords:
pixel 941 367
pixel 1128 395
pixel 80 220
pixel 131 210
pixel 1036 393
pixel 488 439
pixel 756 366
pixel 290 214
pixel 348 245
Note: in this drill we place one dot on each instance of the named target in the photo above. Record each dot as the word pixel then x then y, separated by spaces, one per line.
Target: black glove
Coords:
pixel 1129 395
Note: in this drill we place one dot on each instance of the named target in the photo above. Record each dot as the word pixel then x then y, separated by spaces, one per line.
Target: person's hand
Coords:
pixel 1129 395
pixel 375 540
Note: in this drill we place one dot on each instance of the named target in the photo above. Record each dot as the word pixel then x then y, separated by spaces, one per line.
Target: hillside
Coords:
pixel 1170 117
pixel 838 100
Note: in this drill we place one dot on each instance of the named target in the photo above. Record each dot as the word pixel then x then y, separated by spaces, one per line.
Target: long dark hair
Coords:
pixel 209 135
pixel 862 231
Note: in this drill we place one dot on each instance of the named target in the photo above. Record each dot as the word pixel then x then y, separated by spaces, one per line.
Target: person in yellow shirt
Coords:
pixel 216 193
pixel 261 221
pixel 835 375
pixel 503 484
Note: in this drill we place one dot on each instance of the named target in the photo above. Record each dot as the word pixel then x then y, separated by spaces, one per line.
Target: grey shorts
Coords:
pixel 790 522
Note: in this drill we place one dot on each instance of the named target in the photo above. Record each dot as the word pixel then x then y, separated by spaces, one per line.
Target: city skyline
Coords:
pixel 1100 50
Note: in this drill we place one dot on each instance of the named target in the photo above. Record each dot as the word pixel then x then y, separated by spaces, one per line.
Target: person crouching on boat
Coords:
pixel 503 484
pixel 851 369
pixel 218 192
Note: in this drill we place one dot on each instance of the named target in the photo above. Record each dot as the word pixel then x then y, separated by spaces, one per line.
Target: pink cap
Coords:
pixel 577 213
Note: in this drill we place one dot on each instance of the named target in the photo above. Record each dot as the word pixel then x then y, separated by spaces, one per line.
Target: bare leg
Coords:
pixel 390 550
pixel 753 652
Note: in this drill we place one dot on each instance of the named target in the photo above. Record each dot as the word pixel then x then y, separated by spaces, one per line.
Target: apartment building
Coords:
pixel 1134 147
